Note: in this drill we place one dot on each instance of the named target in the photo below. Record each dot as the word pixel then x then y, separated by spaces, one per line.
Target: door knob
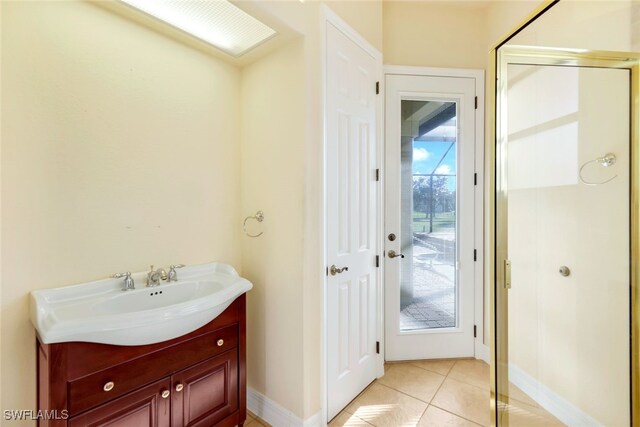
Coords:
pixel 335 270
pixel 165 394
pixel 179 387
pixel 393 254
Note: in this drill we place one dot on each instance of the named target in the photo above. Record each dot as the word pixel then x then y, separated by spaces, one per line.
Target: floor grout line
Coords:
pixel 429 403
pixel 422 414
pixel 457 415
pixel 454 379
pixel 354 415
pixel 439 387
pixel 403 392
pixel 468 383
pixel 430 370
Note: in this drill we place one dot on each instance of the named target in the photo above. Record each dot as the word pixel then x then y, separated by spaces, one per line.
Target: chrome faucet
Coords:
pixel 128 280
pixel 173 274
pixel 154 277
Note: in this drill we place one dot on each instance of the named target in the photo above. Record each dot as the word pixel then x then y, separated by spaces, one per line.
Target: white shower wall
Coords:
pixel 569 336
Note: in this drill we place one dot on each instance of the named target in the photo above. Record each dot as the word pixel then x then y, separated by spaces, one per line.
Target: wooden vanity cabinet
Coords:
pixel 198 379
pixel 143 407
pixel 208 392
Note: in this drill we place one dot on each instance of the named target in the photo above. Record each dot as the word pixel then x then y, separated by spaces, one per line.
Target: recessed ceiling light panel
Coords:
pixel 217 22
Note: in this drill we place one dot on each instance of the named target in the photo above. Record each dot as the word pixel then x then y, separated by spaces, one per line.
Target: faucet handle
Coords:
pixel 128 280
pixel 173 274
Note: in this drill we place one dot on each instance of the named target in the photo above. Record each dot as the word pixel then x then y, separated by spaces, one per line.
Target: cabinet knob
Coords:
pixel 109 386
pixel 179 387
pixel 165 394
pixel 220 342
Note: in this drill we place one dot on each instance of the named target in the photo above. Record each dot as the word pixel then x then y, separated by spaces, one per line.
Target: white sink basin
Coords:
pixel 102 312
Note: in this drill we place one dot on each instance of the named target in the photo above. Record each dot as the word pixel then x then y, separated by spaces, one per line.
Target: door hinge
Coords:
pixel 377 174
pixel 327 271
pixel 476 103
pixel 377 347
pixel 507 274
pixel 475 179
pixel 475 331
pixel 377 260
pixel 475 254
pixel 377 88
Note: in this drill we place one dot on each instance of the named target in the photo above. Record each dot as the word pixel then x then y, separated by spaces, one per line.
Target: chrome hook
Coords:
pixel 259 216
pixel 607 160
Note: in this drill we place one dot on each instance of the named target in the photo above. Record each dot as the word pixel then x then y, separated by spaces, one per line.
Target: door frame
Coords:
pixel 513 54
pixel 327 16
pixel 481 350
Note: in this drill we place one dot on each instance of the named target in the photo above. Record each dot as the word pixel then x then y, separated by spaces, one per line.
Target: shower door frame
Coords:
pixel 527 55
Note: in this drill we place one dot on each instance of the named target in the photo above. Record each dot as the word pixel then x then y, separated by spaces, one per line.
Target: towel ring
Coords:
pixel 609 159
pixel 259 216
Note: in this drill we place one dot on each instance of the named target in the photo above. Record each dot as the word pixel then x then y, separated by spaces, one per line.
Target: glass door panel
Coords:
pixel 563 354
pixel 429 227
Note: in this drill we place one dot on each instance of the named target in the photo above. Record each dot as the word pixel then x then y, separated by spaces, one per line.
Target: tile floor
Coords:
pixel 254 421
pixel 434 393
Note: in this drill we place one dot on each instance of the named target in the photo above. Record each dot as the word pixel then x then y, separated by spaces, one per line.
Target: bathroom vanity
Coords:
pixel 198 379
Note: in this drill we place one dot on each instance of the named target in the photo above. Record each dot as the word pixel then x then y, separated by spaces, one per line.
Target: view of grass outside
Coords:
pixel 434 203
pixel 444 221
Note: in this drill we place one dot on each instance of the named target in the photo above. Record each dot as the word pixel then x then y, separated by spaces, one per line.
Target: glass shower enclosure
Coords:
pixel 564 219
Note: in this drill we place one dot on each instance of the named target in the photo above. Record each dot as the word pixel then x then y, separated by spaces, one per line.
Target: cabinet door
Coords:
pixel 207 392
pixel 141 408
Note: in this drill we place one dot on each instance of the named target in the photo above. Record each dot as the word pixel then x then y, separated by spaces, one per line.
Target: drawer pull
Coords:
pixel 220 342
pixel 179 387
pixel 165 394
pixel 108 386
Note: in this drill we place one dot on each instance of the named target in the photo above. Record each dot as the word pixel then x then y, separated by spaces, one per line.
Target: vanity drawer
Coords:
pixel 94 389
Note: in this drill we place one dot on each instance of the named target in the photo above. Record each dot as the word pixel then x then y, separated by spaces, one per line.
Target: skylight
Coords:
pixel 217 22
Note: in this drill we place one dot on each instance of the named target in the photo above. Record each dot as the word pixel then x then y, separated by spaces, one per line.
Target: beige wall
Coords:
pixel 120 149
pixel 435 34
pixel 613 21
pixel 505 16
pixel 272 165
pixel 364 16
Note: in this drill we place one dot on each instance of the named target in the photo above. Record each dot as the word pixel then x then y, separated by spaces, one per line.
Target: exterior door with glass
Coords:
pixel 429 217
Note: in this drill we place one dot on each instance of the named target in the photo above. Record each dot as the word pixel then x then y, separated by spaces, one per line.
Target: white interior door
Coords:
pixel 351 197
pixel 429 217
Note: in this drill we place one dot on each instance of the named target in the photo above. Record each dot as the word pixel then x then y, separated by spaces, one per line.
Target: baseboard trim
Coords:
pixel 482 352
pixel 314 420
pixel 275 414
pixel 558 406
